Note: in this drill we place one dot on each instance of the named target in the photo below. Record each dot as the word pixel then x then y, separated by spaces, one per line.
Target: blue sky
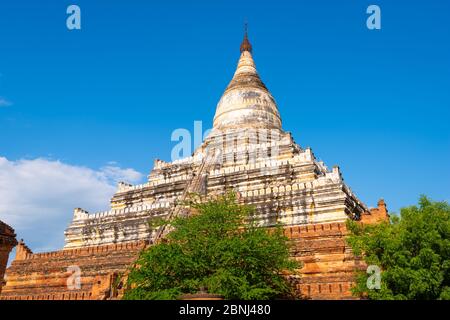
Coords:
pixel 106 98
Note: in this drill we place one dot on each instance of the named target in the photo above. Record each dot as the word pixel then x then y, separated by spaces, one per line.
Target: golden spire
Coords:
pixel 245 45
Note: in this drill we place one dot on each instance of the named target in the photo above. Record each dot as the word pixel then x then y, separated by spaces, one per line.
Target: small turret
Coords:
pixel 123 186
pixel 80 214
pixel 22 251
pixel 376 215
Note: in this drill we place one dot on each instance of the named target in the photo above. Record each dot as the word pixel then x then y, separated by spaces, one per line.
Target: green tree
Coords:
pixel 217 247
pixel 412 251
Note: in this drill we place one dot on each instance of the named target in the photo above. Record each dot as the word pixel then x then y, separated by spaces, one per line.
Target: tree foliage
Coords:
pixel 218 247
pixel 412 251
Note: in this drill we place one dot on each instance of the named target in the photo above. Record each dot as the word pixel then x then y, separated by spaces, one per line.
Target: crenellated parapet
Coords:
pixel 286 183
pixel 88 273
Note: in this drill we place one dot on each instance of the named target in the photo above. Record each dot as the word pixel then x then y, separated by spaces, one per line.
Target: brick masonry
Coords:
pixel 247 152
pixel 52 275
pixel 327 271
pixel 7 243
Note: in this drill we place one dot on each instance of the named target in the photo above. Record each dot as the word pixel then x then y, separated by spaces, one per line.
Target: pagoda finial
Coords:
pixel 245 45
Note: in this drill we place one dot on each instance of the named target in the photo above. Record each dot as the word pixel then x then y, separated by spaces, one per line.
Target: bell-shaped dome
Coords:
pixel 246 102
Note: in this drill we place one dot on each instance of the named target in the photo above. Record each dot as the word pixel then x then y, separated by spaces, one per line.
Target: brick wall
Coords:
pixel 327 272
pixel 7 243
pixel 53 275
pixel 328 263
pixel 376 215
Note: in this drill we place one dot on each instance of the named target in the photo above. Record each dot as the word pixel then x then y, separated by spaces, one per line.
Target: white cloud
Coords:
pixel 37 197
pixel 4 102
